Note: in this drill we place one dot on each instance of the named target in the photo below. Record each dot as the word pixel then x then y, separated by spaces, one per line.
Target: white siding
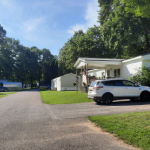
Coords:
pixel 146 63
pixel 96 73
pixel 67 83
pixel 130 67
pixel 58 84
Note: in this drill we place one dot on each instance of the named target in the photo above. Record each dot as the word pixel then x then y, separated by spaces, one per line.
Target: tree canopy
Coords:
pixel 24 64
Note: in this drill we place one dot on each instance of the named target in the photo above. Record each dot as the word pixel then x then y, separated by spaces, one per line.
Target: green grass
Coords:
pixel 63 97
pixel 7 92
pixel 133 128
pixel 2 96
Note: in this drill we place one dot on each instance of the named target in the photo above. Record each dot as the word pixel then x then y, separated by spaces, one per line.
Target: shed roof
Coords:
pixel 66 75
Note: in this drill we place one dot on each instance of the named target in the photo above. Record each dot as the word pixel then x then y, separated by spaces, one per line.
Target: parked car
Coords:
pixel 105 91
pixel 3 89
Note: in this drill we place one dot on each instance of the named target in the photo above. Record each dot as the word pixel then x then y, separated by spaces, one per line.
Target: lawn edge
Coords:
pixel 115 136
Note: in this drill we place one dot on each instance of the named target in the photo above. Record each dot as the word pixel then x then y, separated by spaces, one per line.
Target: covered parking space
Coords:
pixel 109 65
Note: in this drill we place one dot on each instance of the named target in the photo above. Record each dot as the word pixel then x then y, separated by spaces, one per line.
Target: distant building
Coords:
pixel 65 82
pixel 11 85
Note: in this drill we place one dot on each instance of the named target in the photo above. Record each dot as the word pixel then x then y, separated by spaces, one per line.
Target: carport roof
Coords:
pixel 96 63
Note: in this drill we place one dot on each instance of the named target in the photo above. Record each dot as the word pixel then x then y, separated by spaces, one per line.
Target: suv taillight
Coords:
pixel 97 88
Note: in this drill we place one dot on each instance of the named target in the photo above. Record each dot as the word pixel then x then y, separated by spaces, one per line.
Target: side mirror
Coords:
pixel 136 85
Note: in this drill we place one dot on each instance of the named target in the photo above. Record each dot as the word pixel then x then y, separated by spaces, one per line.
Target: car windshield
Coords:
pixel 92 84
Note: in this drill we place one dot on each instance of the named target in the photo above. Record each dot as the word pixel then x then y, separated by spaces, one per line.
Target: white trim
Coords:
pixel 132 59
pixel 65 75
pixel 95 70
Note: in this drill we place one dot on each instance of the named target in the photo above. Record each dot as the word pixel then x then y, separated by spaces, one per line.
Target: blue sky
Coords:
pixel 47 23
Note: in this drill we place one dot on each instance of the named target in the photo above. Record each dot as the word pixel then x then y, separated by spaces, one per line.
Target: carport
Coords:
pixel 97 63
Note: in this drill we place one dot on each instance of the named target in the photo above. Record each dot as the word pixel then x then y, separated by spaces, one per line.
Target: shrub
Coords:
pixel 142 76
pixel 84 83
pixel 74 83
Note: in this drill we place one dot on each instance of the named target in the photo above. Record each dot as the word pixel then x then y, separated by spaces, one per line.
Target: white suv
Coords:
pixel 105 91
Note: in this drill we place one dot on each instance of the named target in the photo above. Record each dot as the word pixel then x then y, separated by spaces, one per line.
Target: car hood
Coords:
pixel 145 87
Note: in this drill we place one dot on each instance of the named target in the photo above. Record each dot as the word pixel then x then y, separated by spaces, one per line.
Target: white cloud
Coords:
pixel 32 24
pixel 77 27
pixel 91 17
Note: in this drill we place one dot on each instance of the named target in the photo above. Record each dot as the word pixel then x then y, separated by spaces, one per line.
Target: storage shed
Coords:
pixel 65 83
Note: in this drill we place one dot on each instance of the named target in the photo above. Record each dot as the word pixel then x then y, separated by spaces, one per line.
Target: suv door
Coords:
pixel 119 88
pixel 130 89
pixel 115 86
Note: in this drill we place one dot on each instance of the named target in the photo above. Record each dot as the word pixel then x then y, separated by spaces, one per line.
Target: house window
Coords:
pixel 117 73
pixel 108 73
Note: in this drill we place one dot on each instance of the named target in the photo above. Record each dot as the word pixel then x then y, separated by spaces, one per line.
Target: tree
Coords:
pixel 138 7
pixel 124 34
pixel 89 44
pixel 40 62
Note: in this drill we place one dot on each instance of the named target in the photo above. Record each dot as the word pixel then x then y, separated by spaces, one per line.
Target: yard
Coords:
pixel 64 97
pixel 3 94
pixel 133 128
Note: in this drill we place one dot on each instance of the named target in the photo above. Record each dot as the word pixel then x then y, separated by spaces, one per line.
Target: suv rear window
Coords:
pixel 92 84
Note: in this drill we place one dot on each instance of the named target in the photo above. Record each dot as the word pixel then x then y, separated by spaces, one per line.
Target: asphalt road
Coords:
pixel 28 124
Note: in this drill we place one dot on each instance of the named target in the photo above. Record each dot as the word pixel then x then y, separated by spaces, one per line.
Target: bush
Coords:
pixel 74 83
pixel 142 76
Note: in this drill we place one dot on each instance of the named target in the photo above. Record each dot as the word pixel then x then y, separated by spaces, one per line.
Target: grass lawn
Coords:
pixel 7 92
pixel 2 96
pixel 64 97
pixel 133 128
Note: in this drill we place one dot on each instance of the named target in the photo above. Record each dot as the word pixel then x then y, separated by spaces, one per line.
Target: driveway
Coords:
pixel 26 123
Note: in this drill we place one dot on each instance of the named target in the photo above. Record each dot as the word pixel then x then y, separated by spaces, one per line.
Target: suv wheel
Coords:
pixel 107 98
pixel 145 96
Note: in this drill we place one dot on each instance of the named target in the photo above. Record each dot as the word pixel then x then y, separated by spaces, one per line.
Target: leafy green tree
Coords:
pixel 138 7
pixel 142 76
pixel 40 61
pixel 89 44
pixel 124 34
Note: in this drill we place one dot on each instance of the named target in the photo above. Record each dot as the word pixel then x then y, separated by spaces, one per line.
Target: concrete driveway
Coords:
pixel 26 123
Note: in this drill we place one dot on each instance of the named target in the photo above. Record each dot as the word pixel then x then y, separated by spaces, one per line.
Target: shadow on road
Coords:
pixel 125 103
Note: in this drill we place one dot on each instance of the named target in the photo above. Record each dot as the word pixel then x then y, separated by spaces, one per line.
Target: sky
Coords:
pixel 47 23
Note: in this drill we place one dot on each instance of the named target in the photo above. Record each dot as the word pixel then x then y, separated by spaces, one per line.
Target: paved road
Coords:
pixel 26 123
